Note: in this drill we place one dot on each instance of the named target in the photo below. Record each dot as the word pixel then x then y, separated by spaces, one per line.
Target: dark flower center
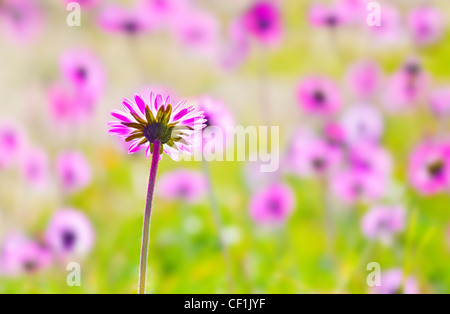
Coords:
pixel 319 163
pixel 130 27
pixel 157 131
pixel 264 23
pixel 81 73
pixel 274 206
pixel 68 240
pixel 436 169
pixel 413 69
pixel 29 265
pixel 319 97
pixel 331 21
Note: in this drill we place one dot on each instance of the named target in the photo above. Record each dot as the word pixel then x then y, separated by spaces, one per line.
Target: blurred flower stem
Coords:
pixel 264 86
pixel 147 216
pixel 219 225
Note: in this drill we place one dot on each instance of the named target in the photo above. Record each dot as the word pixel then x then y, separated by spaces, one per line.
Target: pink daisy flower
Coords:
pixel 319 95
pixel 11 143
pixel 273 204
pixel 429 168
pixel 382 222
pixel 35 167
pixel 426 25
pixel 320 15
pixel 22 20
pixel 392 282
pixel 263 22
pixel 69 234
pixel 364 79
pixel 20 255
pixel 184 185
pixel 198 30
pixel 142 123
pixel 440 102
pixel 407 87
pixel 84 71
pixel 73 171
pixel 362 123
pixel 129 21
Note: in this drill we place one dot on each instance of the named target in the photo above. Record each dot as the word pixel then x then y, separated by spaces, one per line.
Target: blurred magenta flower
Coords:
pixel 34 166
pixel 334 135
pixel 354 185
pixel 143 123
pixel 69 234
pixel 371 159
pixel 129 21
pixel 407 87
pixel 20 255
pixel 426 25
pixel 331 16
pixel 319 95
pixel 63 104
pixel 393 282
pixel 198 30
pixel 236 47
pixel 362 123
pixel 12 141
pixel 85 4
pixel 390 29
pixel 263 21
pixel 313 156
pixel 184 185
pixel 440 102
pixel 383 222
pixel 429 167
pixel 73 170
pixel 364 79
pixel 84 71
pixel 217 115
pixel 21 20
pixel 273 204
pixel 165 11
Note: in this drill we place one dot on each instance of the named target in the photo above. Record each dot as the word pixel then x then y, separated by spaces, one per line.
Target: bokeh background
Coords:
pixel 364 174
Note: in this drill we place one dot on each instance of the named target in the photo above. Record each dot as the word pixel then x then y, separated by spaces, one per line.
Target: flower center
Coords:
pixel 68 240
pixel 130 27
pixel 29 265
pixel 157 131
pixel 264 23
pixel 319 97
pixel 436 169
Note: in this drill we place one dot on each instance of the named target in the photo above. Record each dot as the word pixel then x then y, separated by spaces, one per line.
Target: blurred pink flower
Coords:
pixel 73 171
pixel 34 165
pixel 426 25
pixel 264 22
pixel 142 123
pixel 183 185
pixel 440 102
pixel 164 12
pixel 319 95
pixel 129 21
pixel 334 135
pixel 236 47
pixel 63 104
pixel 321 15
pixel 355 10
pixel 11 143
pixel 69 234
pixel 22 20
pixel 429 167
pixel 407 87
pixel 84 71
pixel 390 29
pixel 198 30
pixel 20 255
pixel 383 222
pixel 362 123
pixel 85 4
pixel 311 156
pixel 353 185
pixel 393 282
pixel 371 159
pixel 217 115
pixel 364 79
pixel 273 204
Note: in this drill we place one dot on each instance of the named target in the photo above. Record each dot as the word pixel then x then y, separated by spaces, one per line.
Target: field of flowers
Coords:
pixel 359 200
